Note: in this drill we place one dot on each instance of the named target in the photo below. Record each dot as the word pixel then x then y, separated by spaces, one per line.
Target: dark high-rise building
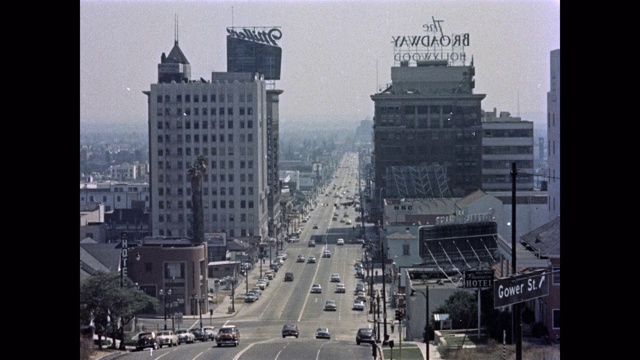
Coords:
pixel 429 120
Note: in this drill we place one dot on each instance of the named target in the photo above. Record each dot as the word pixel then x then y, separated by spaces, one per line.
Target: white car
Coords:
pixel 341 288
pixel 335 278
pixel 340 242
pixel 358 305
pixel 316 289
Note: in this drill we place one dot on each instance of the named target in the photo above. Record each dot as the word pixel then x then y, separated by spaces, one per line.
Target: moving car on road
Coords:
pixel 290 330
pixel 147 340
pixel 184 336
pixel 228 335
pixel 311 259
pixel 335 278
pixel 323 333
pixel 167 338
pixel 288 276
pixel 300 258
pixel 330 305
pixel 358 305
pixel 341 288
pixel 209 333
pixel 316 289
pixel 366 335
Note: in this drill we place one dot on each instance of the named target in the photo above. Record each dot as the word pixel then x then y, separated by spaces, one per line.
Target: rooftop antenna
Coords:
pixel 518 93
pixel 232 16
pixel 176 29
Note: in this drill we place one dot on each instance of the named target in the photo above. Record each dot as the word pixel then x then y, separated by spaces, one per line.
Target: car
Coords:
pixel 358 305
pixel 290 330
pixel 261 285
pixel 360 295
pixel 316 289
pixel 366 335
pixel 209 333
pixel 340 242
pixel 167 338
pixel 300 258
pixel 265 280
pixel 323 333
pixel 288 276
pixel 361 287
pixel 335 278
pixel 342 220
pixel 250 297
pixel 184 336
pixel 348 222
pixel 315 226
pixel 360 273
pixel 198 333
pixel 326 254
pixel 270 274
pixel 311 259
pixel 228 335
pixel 147 340
pixel 330 305
pixel 312 243
pixel 254 293
pixel 341 288
pixel 258 290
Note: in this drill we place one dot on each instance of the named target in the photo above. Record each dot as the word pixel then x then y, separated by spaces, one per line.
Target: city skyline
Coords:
pixel 330 68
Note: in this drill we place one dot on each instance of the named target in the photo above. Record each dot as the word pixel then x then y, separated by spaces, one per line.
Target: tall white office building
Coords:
pixel 223 119
pixel 553 136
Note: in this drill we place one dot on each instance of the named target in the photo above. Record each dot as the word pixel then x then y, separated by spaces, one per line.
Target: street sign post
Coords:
pixel 520 288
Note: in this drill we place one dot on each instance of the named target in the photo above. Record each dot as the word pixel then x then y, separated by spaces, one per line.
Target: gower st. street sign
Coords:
pixel 478 278
pixel 520 288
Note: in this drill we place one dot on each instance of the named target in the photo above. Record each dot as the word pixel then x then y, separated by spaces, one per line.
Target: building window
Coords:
pixel 556 274
pixel 556 318
pixel 405 250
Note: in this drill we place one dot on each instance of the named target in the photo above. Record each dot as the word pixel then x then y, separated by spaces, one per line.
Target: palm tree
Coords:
pixel 196 172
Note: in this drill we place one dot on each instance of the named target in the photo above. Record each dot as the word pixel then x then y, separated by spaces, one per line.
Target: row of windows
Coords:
pixel 497 150
pixel 222 151
pixel 504 164
pixel 213 177
pixel 205 138
pixel 214 217
pixel 521 178
pixel 230 232
pixel 215 204
pixel 214 164
pixel 508 133
pixel 205 98
pixel 431 150
pixel 166 111
pixel 166 124
pixel 205 191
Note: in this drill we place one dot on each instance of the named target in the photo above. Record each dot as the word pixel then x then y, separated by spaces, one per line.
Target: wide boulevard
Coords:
pixel 291 302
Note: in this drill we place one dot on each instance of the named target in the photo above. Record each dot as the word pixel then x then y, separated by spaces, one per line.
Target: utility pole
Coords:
pixel 516 307
pixel 384 293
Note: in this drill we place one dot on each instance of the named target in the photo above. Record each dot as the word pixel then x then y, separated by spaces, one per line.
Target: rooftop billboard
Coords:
pixel 254 50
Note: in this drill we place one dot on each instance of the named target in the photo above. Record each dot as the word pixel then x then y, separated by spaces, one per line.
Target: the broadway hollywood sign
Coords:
pixel 432 44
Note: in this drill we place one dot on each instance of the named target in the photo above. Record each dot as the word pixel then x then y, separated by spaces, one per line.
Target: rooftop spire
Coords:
pixel 176 29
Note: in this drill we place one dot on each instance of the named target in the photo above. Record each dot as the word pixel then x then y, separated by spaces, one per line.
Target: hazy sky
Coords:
pixel 335 54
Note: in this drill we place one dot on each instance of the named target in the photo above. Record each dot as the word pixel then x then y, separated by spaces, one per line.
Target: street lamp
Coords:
pixel 164 295
pixel 426 326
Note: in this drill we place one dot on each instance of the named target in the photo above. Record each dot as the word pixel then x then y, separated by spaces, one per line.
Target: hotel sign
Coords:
pixel 432 44
pixel 478 278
